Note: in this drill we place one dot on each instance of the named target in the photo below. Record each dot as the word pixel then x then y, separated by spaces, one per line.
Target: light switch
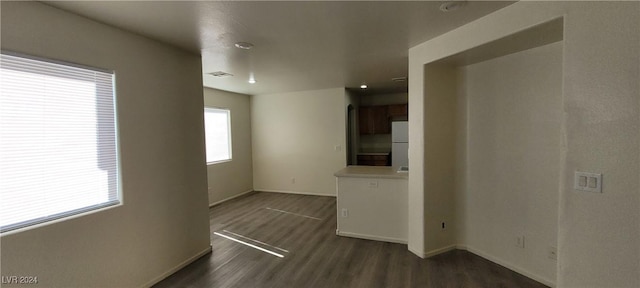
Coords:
pixel 589 182
pixel 583 181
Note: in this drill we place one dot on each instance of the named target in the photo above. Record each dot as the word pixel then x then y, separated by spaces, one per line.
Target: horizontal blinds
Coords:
pixel 57 141
pixel 217 134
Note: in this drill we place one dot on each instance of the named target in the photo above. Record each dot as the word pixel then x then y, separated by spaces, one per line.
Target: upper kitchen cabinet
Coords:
pixel 399 112
pixel 374 120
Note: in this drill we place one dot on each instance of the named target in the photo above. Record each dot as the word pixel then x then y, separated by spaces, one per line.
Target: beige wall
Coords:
pixel 514 146
pixel 439 155
pixel 230 179
pixel 294 136
pixel 598 234
pixel 164 219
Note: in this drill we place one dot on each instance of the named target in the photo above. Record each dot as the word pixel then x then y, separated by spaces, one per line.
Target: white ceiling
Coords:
pixel 298 45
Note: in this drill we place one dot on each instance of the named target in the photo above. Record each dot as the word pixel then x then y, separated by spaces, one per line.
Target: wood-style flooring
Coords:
pixel 302 229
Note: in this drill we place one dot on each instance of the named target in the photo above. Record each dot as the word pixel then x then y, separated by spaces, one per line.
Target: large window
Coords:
pixel 217 128
pixel 58 144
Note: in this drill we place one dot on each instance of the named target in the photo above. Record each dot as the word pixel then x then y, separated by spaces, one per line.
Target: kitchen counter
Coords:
pixel 372 203
pixel 386 172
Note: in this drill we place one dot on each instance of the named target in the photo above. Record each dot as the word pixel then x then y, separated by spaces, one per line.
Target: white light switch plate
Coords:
pixel 589 182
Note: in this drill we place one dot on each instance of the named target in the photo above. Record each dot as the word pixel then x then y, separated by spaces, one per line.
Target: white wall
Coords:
pixel 514 147
pixel 294 136
pixel 440 115
pixel 598 234
pixel 164 219
pixel 229 179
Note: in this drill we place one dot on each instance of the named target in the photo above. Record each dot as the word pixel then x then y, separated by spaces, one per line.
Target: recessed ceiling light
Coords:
pixel 451 6
pixel 244 45
pixel 252 81
pixel 363 86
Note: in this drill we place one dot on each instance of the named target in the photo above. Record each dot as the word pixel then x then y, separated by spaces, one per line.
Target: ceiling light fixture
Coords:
pixel 452 6
pixel 244 45
pixel 363 86
pixel 252 81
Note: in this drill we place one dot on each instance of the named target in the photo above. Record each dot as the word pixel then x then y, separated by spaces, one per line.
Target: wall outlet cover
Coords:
pixel 520 241
pixel 552 253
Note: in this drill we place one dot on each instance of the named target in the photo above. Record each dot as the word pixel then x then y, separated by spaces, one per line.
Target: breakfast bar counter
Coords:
pixel 372 203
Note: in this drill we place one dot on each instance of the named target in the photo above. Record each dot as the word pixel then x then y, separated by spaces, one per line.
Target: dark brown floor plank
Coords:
pixel 316 257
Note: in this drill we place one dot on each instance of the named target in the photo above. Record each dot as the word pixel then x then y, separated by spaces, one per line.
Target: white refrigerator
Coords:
pixel 400 143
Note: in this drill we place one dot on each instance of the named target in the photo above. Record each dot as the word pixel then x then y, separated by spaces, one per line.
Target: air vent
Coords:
pixel 399 79
pixel 220 74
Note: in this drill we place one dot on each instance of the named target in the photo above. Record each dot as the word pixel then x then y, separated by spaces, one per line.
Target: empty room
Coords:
pixel 320 144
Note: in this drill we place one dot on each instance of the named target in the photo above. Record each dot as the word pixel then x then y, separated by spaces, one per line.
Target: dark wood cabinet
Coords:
pixel 400 110
pixel 374 120
pixel 373 160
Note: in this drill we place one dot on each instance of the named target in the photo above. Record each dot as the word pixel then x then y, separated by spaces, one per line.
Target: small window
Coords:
pixel 217 125
pixel 58 144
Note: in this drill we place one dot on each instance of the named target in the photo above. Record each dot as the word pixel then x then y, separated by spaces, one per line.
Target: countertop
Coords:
pixel 371 172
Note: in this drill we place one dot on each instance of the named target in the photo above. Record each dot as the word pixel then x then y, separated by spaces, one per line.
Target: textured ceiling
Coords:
pixel 298 45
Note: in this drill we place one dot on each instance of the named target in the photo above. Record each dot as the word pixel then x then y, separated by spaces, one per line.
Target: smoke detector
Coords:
pixel 452 6
pixel 220 74
pixel 244 45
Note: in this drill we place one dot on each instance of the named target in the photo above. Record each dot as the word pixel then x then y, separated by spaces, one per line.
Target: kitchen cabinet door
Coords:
pixel 398 110
pixel 381 123
pixel 365 123
pixel 373 120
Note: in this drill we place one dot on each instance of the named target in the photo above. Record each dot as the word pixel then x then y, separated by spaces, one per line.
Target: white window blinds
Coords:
pixel 218 134
pixel 58 144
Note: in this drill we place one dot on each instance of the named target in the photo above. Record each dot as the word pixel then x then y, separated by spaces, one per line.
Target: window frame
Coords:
pixel 229 134
pixel 86 210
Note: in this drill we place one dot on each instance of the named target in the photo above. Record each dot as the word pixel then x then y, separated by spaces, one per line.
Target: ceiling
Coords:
pixel 298 45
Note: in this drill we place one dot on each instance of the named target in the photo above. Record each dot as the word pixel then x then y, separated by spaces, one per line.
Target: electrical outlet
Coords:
pixel 520 241
pixel 552 253
pixel 344 213
pixel 444 226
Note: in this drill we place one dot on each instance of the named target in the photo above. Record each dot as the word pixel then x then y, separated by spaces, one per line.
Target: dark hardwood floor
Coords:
pixel 302 230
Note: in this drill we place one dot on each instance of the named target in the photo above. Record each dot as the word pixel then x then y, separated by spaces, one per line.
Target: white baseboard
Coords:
pixel 432 252
pixel 175 269
pixel 508 265
pixel 371 237
pixel 227 199
pixel 293 192
pixel 439 251
pixel 415 251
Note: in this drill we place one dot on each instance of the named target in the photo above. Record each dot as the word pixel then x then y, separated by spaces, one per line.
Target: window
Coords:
pixel 58 144
pixel 217 128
